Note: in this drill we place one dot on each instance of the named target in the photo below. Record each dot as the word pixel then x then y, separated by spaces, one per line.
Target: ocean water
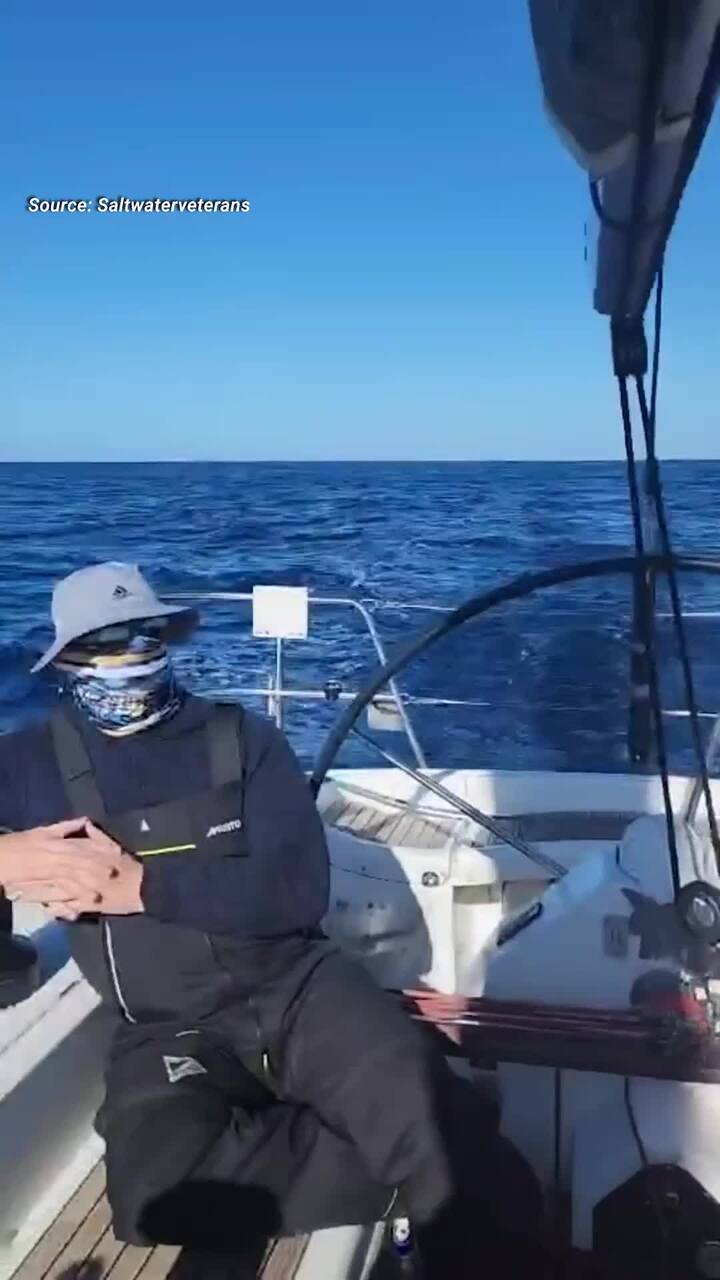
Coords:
pixel 550 673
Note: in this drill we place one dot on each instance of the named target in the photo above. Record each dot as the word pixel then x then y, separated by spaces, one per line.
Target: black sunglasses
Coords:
pixel 169 629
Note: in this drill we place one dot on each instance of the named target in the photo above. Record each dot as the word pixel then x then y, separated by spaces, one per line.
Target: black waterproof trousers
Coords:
pixel 358 1118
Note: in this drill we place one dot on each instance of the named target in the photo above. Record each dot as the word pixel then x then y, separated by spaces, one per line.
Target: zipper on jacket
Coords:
pixel 112 966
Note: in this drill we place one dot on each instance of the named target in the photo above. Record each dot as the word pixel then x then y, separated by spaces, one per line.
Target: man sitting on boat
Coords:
pixel 258 1081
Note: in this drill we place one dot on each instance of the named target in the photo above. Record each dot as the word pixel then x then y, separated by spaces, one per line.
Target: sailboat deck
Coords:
pixel 401 826
pixel 80 1245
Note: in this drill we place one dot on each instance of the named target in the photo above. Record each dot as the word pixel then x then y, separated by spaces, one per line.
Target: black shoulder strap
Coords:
pixel 225 742
pixel 227 764
pixel 81 789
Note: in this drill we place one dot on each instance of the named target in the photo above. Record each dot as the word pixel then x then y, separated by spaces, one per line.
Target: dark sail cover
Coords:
pixel 592 56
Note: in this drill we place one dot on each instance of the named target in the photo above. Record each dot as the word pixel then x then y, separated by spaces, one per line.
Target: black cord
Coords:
pixel 648 639
pixel 663 1252
pixel 649 421
pixel 657 334
pixel 631 468
pixel 630 358
pixel 693 141
pixel 655 489
pixel 558 1119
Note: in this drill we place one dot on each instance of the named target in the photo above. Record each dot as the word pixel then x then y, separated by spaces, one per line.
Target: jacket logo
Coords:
pixel 144 825
pixel 179 1068
pixel 235 825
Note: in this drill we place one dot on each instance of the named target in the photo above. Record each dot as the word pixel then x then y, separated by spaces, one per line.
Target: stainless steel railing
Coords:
pixel 396 704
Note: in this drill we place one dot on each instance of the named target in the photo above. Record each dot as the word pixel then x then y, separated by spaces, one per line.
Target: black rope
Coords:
pixel 656 493
pixel 698 126
pixel 648 639
pixel 630 354
pixel 650 1172
pixel 630 358
pixel 655 373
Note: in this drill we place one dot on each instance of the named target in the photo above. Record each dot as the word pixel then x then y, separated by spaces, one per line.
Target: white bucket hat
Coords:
pixel 103 596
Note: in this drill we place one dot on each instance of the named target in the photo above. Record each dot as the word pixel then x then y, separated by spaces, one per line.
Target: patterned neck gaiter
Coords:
pixel 122 693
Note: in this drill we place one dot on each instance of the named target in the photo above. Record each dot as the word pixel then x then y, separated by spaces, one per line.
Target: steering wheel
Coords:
pixel 516 589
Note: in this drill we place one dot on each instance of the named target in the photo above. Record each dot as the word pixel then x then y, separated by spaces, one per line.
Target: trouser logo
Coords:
pixel 179 1068
pixel 235 825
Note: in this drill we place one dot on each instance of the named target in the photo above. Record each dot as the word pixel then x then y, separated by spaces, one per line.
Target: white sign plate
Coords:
pixel 280 613
pixel 384 716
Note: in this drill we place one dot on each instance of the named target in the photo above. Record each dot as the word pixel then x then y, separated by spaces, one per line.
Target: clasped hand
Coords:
pixel 70 868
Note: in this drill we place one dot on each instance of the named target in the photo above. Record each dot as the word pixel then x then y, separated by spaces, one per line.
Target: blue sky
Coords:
pixel 409 283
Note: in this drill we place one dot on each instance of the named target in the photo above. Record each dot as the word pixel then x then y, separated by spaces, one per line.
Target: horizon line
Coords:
pixel 250 462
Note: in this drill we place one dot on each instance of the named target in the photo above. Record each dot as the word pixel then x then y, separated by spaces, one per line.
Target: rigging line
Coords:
pixel 655 490
pixel 649 639
pixel 650 1172
pixel 657 333
pixel 555 869
pixel 632 362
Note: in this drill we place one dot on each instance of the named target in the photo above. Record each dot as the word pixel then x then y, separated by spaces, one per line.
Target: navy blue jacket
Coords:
pixel 279 890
